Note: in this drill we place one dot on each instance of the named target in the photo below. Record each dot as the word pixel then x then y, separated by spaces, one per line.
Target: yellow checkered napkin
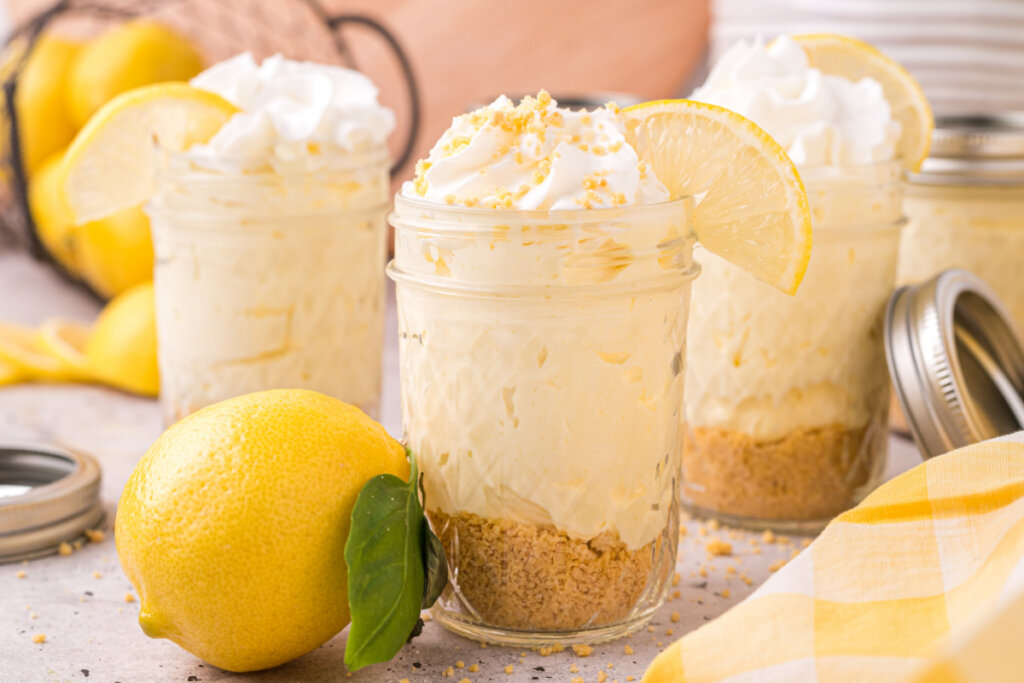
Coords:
pixel 922 582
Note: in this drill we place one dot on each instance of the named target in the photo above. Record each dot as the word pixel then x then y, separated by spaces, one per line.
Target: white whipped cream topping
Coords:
pixel 291 110
pixel 536 155
pixel 820 119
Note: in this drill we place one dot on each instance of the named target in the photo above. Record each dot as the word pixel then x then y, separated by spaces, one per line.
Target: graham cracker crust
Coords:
pixel 526 577
pixel 809 474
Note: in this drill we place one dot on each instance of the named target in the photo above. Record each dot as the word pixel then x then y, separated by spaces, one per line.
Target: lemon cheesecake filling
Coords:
pixel 787 396
pixel 270 239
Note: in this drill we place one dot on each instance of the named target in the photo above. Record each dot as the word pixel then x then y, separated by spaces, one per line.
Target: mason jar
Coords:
pixel 965 209
pixel 787 396
pixel 270 279
pixel 542 365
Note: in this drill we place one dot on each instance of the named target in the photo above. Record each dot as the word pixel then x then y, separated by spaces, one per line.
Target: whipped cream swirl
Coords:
pixel 535 155
pixel 820 119
pixel 291 112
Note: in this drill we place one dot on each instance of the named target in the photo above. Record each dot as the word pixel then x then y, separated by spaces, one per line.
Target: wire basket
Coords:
pixel 298 29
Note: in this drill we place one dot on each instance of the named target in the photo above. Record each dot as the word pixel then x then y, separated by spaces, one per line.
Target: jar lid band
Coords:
pixel 976 149
pixel 956 362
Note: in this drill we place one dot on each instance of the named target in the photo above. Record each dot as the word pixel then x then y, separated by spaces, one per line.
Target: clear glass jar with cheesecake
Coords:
pixel 786 410
pixel 270 240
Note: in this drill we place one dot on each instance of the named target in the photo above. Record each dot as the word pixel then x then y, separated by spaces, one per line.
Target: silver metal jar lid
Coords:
pixel 48 495
pixel 956 362
pixel 981 149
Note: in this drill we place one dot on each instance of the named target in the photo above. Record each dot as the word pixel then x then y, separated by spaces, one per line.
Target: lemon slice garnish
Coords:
pixel 752 208
pixel 112 163
pixel 855 59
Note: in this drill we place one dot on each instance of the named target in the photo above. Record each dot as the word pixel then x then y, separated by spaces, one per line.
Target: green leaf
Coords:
pixel 388 552
pixel 435 567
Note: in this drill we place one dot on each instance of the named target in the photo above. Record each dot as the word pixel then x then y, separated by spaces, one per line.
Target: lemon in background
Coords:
pixel 45 125
pixel 111 254
pixel 22 351
pixel 232 528
pixel 115 253
pixel 127 56
pixel 112 162
pixel 121 349
pixel 50 213
pixel 65 340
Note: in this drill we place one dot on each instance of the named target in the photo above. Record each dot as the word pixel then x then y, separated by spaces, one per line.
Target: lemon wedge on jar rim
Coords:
pixel 855 59
pixel 112 162
pixel 751 207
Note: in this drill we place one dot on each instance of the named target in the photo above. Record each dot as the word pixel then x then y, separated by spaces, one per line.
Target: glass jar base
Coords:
pixel 458 624
pixel 796 527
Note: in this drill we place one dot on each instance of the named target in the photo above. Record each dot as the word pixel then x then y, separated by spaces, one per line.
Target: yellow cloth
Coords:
pixel 923 582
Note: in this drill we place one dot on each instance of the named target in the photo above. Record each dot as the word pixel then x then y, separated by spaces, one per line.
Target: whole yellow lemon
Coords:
pixel 233 525
pixel 133 54
pixel 121 349
pixel 115 253
pixel 50 212
pixel 44 124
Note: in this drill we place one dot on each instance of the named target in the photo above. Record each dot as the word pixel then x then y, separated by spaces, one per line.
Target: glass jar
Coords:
pixel 270 279
pixel 787 396
pixel 966 206
pixel 542 361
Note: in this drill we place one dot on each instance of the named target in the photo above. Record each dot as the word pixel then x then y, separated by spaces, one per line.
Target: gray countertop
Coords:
pixel 79 602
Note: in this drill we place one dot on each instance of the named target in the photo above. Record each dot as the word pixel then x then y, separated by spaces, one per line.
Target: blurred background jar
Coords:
pixel 270 280
pixel 966 206
pixel 787 396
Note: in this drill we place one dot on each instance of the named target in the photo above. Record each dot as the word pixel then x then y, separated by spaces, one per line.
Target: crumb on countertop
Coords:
pixel 717 546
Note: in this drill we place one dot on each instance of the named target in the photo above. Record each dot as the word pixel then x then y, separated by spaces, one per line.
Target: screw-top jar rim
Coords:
pixel 985 149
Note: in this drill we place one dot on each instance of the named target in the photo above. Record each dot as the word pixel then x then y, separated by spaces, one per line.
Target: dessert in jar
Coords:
pixel 787 397
pixel 543 275
pixel 270 240
pixel 542 291
pixel 965 208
